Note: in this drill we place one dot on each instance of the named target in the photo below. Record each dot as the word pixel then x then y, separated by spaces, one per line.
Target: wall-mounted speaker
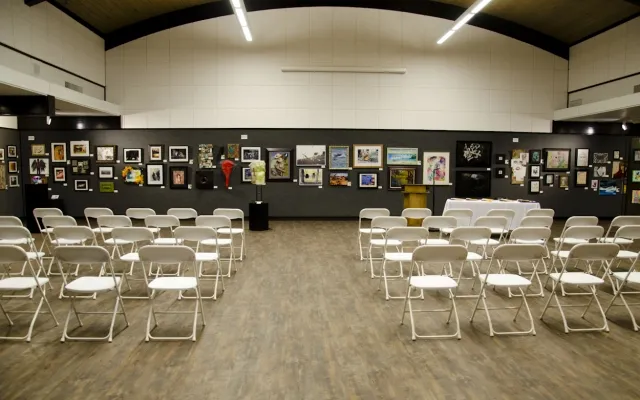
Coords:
pixel 204 180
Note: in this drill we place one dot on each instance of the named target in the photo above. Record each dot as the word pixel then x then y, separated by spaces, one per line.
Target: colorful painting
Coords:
pixel 608 187
pixel 58 152
pixel 205 156
pixel 339 179
pixel 155 152
pixel 400 176
pixel 233 151
pixel 402 156
pixel 39 166
pixel 132 175
pixel 367 155
pixel 435 170
pixel 59 174
pixel 635 176
pixel 79 148
pixel 473 154
pixel 279 161
pixel 311 155
pixel 535 156
pixel 3 177
pixel 618 170
pixel 635 196
pixel 339 157
pixel 106 187
pixel 557 159
pixel 368 180
pixel 582 158
pixel 246 175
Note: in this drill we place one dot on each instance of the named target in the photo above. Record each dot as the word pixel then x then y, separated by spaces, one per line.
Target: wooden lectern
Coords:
pixel 415 196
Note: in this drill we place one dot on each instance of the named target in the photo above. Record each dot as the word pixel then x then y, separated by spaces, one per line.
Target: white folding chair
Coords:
pixel 498 225
pixel 72 236
pixel 368 214
pixel 416 213
pixel 183 213
pixel 137 237
pixel 15 255
pixel 233 214
pixel 219 222
pixel 433 254
pixel 198 234
pixel 463 215
pixel 7 220
pixel 158 223
pixel 588 252
pixel 139 214
pixel 172 254
pixel 392 237
pixel 438 224
pixel 38 214
pixel 106 225
pixel 503 212
pixel 467 236
pixel 620 281
pixel 384 223
pixel 619 222
pixel 49 223
pixel 531 235
pixel 536 222
pixel 509 253
pixel 564 239
pixel 627 234
pixel 20 236
pixel 93 213
pixel 106 281
pixel 540 212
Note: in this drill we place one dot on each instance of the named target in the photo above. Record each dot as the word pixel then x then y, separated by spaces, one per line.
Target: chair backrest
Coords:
pixel 541 212
pixel 407 234
pixel 440 253
pixel 133 234
pixel 621 221
pixel 388 222
pixel 12 254
pixel 533 222
pixel 73 233
pixel 520 252
pixel 15 233
pixel 46 212
pixel 416 213
pixel 581 221
pixel 232 213
pixel 139 213
pixel 531 233
pixel 628 232
pixel 583 232
pixel 58 220
pixel 114 221
pixel 467 233
pixel 213 221
pixel 502 212
pixel 183 213
pixel 371 213
pixel 81 254
pixel 463 215
pixel 95 212
pixel 492 222
pixel 438 222
pixel 7 220
pixel 594 251
pixel 195 233
pixel 167 254
pixel 161 221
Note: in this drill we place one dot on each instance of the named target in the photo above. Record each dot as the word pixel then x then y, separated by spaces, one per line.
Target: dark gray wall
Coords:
pixel 10 199
pixel 289 199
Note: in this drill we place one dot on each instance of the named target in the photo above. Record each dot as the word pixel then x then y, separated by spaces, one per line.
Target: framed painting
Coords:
pixel 233 151
pixel 535 156
pixel 402 156
pixel 636 155
pixel 13 181
pixel 581 178
pixel 556 159
pixel 534 171
pixel 600 158
pixel 534 186
pixel 600 171
pixel 339 157
pixel 618 170
pixel 279 164
pixel 635 176
pixel 132 175
pixel 436 169
pixel 518 171
pixel 367 155
pixel 635 196
pixel 179 153
pixel 132 156
pixel 39 166
pixel 311 155
pixel 472 154
pixel 249 154
pixel 246 175
pixel 563 181
pixel 608 187
pixel 106 187
pixel 3 178
pixel 155 174
pixel 339 179
pixel 105 172
pixel 79 148
pixel 400 176
pixel 81 185
pixel 205 156
pixel 1 154
pixel 13 167
pixel 156 152
pixel 470 184
pixel 58 152
pixel 368 180
pixel 12 151
pixel 106 154
pixel 582 158
pixel 549 179
pixel 310 177
pixel 59 174
pixel 179 177
pixel 39 150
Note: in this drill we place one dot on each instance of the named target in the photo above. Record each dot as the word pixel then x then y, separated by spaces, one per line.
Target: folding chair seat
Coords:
pixel 136 237
pixel 72 236
pixel 531 235
pixel 17 235
pixel 533 222
pixel 540 212
pixel 588 252
pixel 438 223
pixel 565 239
pixel 93 213
pixel 384 223
pixel 463 215
pixel 620 282
pixel 9 221
pixel 620 222
pixel 198 234
pixel 57 222
pixel 368 214
pixel 234 214
pixel 428 255
pixel 183 213
pixel 219 222
pixel 502 279
pixel 477 236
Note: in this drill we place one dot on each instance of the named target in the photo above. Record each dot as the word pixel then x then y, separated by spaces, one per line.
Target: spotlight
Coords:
pixel 624 126
pixel 80 125
pixel 48 120
pixel 590 131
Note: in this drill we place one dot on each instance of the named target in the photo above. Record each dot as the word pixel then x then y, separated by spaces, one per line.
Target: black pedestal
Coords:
pixel 258 216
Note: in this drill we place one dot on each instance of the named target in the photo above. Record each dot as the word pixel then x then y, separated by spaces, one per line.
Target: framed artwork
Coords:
pixel 520 154
pixel 635 176
pixel 499 172
pixel 549 179
pixel 616 154
pixel 58 152
pixel 600 158
pixel 13 167
pixel 400 176
pixel 436 170
pixel 246 175
pixel 473 154
pixel 39 180
pixel 105 172
pixel 339 179
pixel 3 178
pixel 13 181
pixel 132 175
pixel 179 153
pixel 556 159
pixel 500 158
pixel 12 151
pixel 311 155
pixel 600 171
pixel 310 177
pixel 39 166
pixel 473 184
pixel 339 157
pixel 205 156
pixel 132 156
pixel 80 167
pixel 534 171
pixel 534 186
pixel 636 155
pixel 535 156
pixel 608 187
pixel 249 154
pixel 59 174
pixel 1 154
pixel 106 187
pixel 518 171
pixel 279 164
pixel 582 158
pixel 156 152
pixel 106 154
pixel 563 181
pixel 204 179
pixel 367 155
pixel 594 184
pixel 179 177
pixel 233 151
pixel 581 178
pixel 155 174
pixel 38 150
pixel 81 185
pixel 635 195
pixel 79 148
pixel 368 180
pixel 402 156
pixel 618 170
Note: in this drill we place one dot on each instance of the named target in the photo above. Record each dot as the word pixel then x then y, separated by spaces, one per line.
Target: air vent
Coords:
pixel 36 69
pixel 575 103
pixel 71 86
pixel 636 89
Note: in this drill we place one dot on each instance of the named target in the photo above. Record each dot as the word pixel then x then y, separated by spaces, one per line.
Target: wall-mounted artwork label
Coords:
pixel 31 138
pixel 516 140
pixel 244 137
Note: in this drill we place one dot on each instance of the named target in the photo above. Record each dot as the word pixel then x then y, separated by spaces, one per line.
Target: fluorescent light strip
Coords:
pixel 480 6
pixel 463 21
pixel 446 36
pixel 247 34
pixel 241 18
pixel 240 11
pixel 236 3
pixel 464 18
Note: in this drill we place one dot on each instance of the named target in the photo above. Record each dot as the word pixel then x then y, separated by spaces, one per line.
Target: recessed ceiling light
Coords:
pixel 590 131
pixel 624 126
pixel 80 125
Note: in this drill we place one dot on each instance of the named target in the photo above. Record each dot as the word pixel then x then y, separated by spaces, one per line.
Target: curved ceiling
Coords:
pixel 552 25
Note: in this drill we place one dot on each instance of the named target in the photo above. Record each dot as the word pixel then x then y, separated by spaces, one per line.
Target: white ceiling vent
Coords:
pixel 575 103
pixel 72 86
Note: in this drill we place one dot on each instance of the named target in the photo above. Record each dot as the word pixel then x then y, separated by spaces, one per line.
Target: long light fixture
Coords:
pixel 464 18
pixel 241 14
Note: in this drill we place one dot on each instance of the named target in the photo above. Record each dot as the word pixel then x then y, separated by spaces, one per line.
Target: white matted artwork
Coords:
pixel 155 174
pixel 39 166
pixel 105 172
pixel 249 154
pixel 518 172
pixel 79 148
pixel 367 155
pixel 311 155
pixel 178 153
pixel 435 170
pixel 310 177
pixel 402 156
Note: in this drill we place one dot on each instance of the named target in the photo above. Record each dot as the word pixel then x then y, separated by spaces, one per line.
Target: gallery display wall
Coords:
pixel 290 199
pixel 10 196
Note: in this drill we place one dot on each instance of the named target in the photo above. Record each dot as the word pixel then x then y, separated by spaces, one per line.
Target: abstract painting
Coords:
pixel 400 176
pixel 205 156
pixel 233 151
pixel 435 170
pixel 473 154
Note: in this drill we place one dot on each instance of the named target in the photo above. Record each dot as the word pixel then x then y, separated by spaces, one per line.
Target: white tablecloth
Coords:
pixel 480 208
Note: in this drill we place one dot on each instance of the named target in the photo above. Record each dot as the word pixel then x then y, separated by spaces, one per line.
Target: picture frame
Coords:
pixel 619 169
pixel 635 196
pixel 12 151
pixel 106 153
pixel 105 172
pixel 38 150
pixel 367 155
pixel 535 171
pixel 368 180
pixel 608 187
pixel 594 184
pixel 310 176
pixel 400 176
pixel 13 167
pixel 582 158
pixel 246 175
pixel 473 154
pixel 563 181
pixel 58 152
pixel 339 158
pixel 106 187
pixel 249 154
pixel 79 148
pixel 179 177
pixel 233 151
pixel 518 171
pixel 155 174
pixel 436 168
pixel 473 184
pixel 179 154
pixel 132 175
pixel 402 156
pixel 556 159
pixel 80 167
pixel 279 164
pixel 616 154
pixel 581 178
pixel 205 156
pixel 535 156
pixel 59 174
pixel 39 166
pixel 549 179
pixel 600 171
pixel 600 158
pixel 311 155
pixel 156 152
pixel 636 155
pixel 535 186
pixel 3 177
pixel 500 158
pixel 1 154
pixel 39 180
pixel 132 155
pixel 81 185
pixel 499 172
pixel 635 176
pixel 13 181
pixel 339 179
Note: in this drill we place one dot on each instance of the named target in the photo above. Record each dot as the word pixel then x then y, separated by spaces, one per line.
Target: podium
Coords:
pixel 415 196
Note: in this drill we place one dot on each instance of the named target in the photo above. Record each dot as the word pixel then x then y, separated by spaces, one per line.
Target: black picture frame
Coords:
pixel 391 180
pixel 549 179
pixel 577 173
pixel 173 184
pixel 500 158
pixel 147 179
pixel 500 172
pixel 533 183
pixel 204 180
pixel 289 156
pixel 535 156
pixel 532 173
pixel 153 157
pixel 473 154
pixel 368 187
pixel 585 162
pixel 81 167
pixel 548 156
pixel 473 184
pixel 130 150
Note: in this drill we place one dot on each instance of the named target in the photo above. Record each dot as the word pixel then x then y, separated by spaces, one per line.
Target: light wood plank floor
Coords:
pixel 302 320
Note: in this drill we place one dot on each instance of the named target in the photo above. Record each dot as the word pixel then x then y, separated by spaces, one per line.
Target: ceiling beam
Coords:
pixel 75 17
pixel 32 3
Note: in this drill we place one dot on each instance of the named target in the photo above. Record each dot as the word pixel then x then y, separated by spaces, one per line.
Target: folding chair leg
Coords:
pixel 626 305
pixel 6 315
pixel 360 247
pixel 152 312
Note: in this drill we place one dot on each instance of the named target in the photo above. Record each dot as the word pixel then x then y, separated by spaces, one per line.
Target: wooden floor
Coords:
pixel 302 320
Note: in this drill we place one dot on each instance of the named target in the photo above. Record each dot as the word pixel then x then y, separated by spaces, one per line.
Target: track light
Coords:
pixel 48 120
pixel 624 126
pixel 590 131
